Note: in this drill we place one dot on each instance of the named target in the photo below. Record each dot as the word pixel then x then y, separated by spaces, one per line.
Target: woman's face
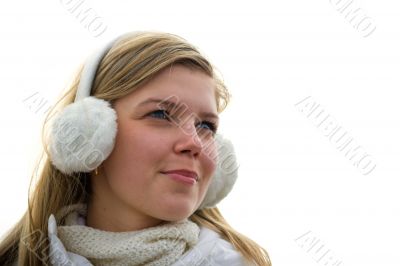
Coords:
pixel 131 185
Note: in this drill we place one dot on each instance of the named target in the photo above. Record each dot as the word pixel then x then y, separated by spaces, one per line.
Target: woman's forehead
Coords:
pixel 180 86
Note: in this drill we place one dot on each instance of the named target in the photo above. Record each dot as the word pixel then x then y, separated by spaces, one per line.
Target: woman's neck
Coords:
pixel 111 217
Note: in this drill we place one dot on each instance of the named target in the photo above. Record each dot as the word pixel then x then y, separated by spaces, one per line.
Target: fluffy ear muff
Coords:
pixel 83 135
pixel 225 174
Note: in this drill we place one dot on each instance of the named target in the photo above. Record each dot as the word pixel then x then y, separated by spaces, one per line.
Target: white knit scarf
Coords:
pixel 158 245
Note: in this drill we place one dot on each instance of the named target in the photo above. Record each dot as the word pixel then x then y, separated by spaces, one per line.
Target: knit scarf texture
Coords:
pixel 153 246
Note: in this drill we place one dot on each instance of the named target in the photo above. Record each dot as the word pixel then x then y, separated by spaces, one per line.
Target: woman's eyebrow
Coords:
pixel 174 106
pixel 155 100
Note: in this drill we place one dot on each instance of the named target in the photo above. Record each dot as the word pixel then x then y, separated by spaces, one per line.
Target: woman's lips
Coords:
pixel 184 176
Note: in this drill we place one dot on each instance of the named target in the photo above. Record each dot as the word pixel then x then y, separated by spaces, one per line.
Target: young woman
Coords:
pixel 133 166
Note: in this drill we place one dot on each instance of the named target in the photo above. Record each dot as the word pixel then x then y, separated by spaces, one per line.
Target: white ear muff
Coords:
pixel 83 135
pixel 225 174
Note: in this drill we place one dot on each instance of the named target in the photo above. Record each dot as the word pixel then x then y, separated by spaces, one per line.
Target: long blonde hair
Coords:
pixel 129 64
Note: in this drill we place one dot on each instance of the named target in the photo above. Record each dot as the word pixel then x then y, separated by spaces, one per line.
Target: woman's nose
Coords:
pixel 188 140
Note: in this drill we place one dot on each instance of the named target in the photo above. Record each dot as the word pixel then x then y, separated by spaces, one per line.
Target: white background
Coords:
pixel 272 54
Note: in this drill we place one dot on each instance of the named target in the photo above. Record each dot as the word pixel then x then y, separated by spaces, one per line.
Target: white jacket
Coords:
pixel 210 250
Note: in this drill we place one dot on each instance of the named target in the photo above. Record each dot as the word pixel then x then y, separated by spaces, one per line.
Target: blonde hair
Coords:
pixel 130 63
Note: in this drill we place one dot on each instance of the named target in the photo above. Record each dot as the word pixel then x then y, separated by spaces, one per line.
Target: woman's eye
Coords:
pixel 163 114
pixel 211 126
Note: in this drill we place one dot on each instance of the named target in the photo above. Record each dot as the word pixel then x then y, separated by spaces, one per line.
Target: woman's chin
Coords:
pixel 177 212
